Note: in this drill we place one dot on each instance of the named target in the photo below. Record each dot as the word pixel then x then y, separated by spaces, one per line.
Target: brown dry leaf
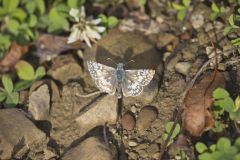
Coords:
pixel 198 115
pixel 49 46
pixel 14 54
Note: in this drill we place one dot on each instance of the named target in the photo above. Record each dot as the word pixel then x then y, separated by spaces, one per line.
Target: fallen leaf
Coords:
pixel 12 56
pixel 49 46
pixel 198 115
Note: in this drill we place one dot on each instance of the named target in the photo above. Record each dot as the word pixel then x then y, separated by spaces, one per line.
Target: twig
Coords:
pixel 105 135
pixel 88 94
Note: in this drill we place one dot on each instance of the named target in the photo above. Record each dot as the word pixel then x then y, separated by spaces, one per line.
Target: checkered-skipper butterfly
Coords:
pixel 119 81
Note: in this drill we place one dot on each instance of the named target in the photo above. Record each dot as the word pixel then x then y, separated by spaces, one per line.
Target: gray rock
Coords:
pixel 132 143
pixel 171 62
pixel 152 149
pixel 100 112
pixel 146 116
pixel 200 15
pixel 183 67
pixel 39 103
pixel 18 134
pixel 64 69
pixel 89 149
pixel 190 51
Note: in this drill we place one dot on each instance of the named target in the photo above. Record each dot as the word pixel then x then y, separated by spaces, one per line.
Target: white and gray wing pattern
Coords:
pixel 135 81
pixel 103 76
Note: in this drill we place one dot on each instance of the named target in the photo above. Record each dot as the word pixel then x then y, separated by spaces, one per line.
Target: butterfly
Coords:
pixel 119 81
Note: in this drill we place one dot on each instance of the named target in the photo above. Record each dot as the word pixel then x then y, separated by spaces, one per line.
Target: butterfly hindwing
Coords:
pixel 135 81
pixel 104 77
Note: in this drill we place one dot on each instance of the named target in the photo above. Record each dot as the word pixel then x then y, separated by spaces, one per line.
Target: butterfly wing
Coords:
pixel 103 76
pixel 135 81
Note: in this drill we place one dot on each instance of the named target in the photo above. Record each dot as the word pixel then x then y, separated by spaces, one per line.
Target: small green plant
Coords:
pixel 108 22
pixel 222 150
pixel 182 9
pixel 8 95
pixel 224 103
pixel 27 75
pixel 233 27
pixel 168 128
pixel 217 11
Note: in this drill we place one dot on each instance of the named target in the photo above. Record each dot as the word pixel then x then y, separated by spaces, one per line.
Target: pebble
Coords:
pixel 132 143
pixel 134 109
pixel 128 121
pixel 183 67
pixel 146 116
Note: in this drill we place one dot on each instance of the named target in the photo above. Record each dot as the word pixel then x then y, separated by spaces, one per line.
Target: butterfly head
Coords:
pixel 120 66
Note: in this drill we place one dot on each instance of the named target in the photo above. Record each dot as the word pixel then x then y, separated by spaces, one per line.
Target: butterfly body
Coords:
pixel 119 81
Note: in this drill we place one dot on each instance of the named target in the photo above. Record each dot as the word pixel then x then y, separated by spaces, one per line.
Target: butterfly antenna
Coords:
pixel 109 59
pixel 129 62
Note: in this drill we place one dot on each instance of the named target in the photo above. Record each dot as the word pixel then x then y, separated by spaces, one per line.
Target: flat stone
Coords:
pixel 64 69
pixel 183 67
pixel 132 143
pixel 104 110
pixel 146 116
pixel 39 103
pixel 89 149
pixel 17 130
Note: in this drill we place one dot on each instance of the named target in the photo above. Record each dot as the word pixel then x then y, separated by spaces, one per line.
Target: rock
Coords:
pixel 133 155
pixel 104 110
pixel 65 68
pixel 166 38
pixel 152 149
pixel 183 67
pixel 190 51
pixel 39 103
pixel 23 97
pixel 90 149
pixel 53 88
pixel 171 62
pixel 132 143
pixel 143 154
pixel 200 16
pixel 134 109
pixel 18 134
pixel 123 47
pixel 146 116
pixel 128 121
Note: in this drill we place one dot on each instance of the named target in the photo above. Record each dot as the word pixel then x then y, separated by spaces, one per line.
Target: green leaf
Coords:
pixel 237 102
pixel 215 8
pixel 13 26
pixel 181 15
pixel 32 21
pixel 12 99
pixel 2 96
pixel 31 6
pixel 222 9
pixel 22 85
pixel 227 104
pixel 237 143
pixel 104 19
pixel 25 70
pixel 227 30
pixel 142 2
pixel 178 7
pixel 40 72
pixel 214 15
pixel 223 144
pixel 7 83
pixel 19 14
pixel 235 115
pixel 186 3
pixel 201 147
pixel 41 6
pixel 176 131
pixel 236 41
pixel 231 20
pixel 75 3
pixel 220 93
pixel 10 5
pixel 112 21
pixel 205 156
pixel 213 147
pixel 236 157
pixel 57 21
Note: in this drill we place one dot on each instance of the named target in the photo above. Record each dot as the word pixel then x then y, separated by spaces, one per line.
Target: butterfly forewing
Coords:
pixel 104 77
pixel 135 80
